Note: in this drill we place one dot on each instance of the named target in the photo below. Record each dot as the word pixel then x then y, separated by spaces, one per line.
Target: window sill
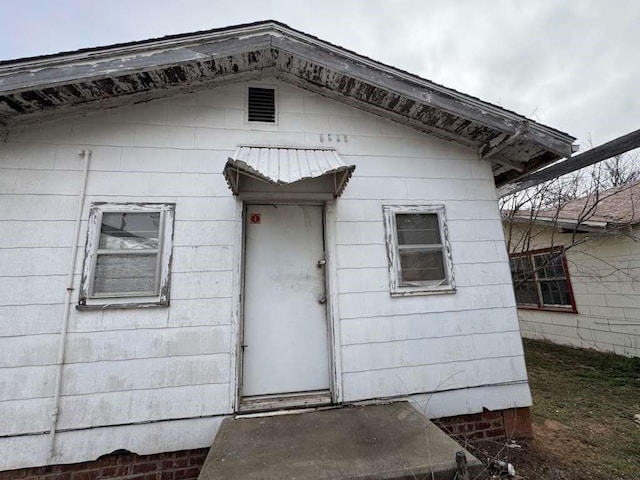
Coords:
pixel 410 292
pixel 547 309
pixel 121 306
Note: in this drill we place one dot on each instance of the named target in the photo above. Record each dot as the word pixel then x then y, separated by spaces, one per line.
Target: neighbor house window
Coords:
pixel 127 255
pixel 541 280
pixel 418 250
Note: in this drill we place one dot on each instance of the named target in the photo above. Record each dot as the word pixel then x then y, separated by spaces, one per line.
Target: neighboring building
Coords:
pixel 265 220
pixel 577 281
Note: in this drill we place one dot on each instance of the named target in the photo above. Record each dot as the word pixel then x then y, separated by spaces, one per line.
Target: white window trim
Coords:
pixel 396 287
pixel 89 301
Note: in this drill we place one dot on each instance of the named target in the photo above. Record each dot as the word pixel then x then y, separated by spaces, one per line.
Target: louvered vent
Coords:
pixel 262 105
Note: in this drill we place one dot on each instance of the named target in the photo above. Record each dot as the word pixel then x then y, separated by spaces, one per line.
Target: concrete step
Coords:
pixel 393 441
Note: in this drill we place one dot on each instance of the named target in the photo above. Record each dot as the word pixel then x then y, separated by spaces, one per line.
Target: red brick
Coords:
pixel 195 461
pixel 144 467
pixel 13 474
pixel 474 436
pixel 107 472
pixel 126 459
pixel 499 432
pixel 482 426
pixel 85 475
pixel 181 462
pixel 182 465
pixel 517 423
pixel 187 473
pixel 120 471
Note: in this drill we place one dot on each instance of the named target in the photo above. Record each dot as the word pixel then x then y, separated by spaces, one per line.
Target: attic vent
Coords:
pixel 262 105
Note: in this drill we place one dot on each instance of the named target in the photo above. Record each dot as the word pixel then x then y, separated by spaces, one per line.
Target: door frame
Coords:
pixel 332 316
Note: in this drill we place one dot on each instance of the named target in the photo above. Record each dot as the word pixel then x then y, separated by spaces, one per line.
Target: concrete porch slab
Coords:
pixel 393 441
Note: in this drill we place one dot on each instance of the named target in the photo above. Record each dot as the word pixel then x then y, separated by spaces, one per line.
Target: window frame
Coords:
pixel 541 306
pixel 159 297
pixel 396 287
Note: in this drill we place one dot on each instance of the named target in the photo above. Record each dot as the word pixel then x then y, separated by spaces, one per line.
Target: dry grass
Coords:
pixel 584 404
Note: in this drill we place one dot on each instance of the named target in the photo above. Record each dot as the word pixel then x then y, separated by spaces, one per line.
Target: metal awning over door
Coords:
pixel 284 166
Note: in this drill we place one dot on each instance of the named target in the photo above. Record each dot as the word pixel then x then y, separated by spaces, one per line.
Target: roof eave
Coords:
pixel 269 36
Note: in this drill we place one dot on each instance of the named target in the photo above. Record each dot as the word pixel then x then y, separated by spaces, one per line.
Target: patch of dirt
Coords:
pixel 533 460
pixel 558 443
pixel 549 425
pixel 583 417
pixel 596 429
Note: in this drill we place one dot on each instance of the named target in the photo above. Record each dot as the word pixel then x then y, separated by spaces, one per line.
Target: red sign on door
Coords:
pixel 254 218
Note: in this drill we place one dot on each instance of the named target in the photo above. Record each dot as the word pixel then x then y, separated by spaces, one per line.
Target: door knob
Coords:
pixel 322 300
pixel 321 263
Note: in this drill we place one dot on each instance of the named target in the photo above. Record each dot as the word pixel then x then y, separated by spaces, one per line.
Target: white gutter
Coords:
pixel 67 306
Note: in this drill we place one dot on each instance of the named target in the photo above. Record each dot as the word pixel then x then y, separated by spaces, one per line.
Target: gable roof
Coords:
pixel 616 209
pixel 37 88
pixel 616 206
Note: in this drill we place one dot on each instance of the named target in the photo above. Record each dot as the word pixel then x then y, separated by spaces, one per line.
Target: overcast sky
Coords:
pixel 573 65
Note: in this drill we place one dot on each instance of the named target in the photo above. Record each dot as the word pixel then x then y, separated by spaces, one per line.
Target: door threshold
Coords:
pixel 263 403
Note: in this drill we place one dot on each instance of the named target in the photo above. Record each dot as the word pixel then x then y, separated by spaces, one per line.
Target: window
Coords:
pixel 261 105
pixel 127 256
pixel 541 280
pixel 418 248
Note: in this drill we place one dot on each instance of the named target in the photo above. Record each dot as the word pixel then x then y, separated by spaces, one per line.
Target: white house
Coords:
pixel 246 219
pixel 577 271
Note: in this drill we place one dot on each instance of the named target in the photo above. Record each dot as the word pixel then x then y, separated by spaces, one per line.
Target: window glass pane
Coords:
pixel 521 269
pixel 125 273
pixel 549 265
pixel 418 229
pixel 526 293
pixel 555 292
pixel 129 230
pixel 420 265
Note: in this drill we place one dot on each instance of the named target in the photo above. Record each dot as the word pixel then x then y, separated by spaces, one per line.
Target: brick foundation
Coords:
pixel 499 425
pixel 183 465
pixel 186 464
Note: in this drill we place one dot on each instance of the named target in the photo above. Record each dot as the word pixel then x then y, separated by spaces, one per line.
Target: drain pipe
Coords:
pixel 86 154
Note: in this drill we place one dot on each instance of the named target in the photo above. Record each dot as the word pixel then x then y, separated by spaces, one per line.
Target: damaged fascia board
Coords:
pixel 84 108
pixel 236 40
pixel 426 92
pixel 88 70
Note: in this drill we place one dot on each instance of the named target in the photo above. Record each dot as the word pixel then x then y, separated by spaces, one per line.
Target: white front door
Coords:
pixel 285 340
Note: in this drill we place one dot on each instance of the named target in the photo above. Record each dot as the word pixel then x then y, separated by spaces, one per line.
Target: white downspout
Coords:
pixel 67 306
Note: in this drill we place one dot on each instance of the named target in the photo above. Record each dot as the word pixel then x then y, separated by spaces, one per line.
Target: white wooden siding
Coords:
pixel 605 276
pixel 78 446
pixel 128 366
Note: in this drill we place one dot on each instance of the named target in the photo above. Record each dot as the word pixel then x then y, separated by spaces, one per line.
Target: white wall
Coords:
pixel 393 346
pixel 133 366
pixel 605 276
